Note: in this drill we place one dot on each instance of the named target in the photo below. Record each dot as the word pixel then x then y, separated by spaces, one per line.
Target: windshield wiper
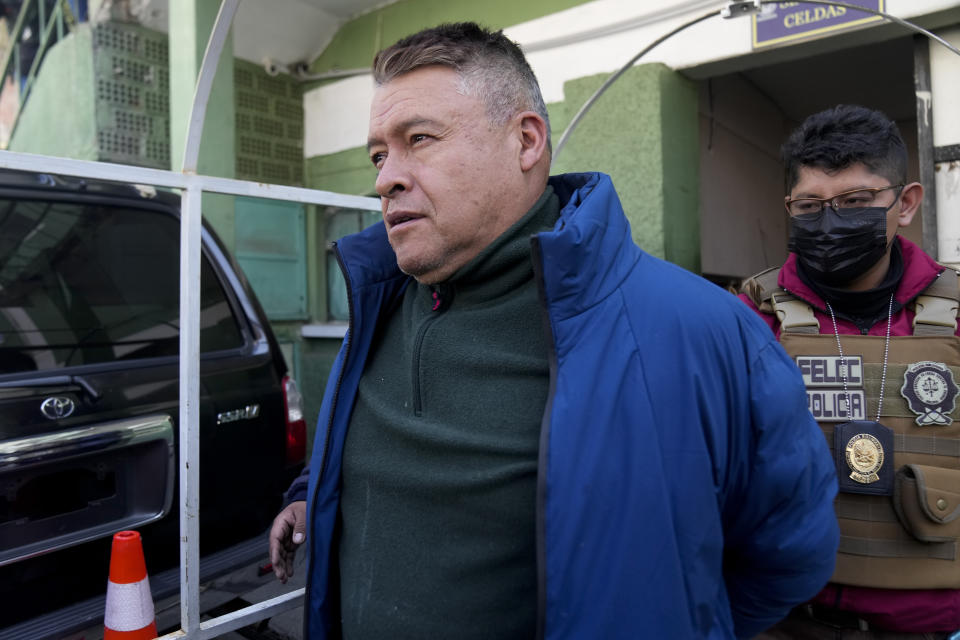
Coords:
pixel 54 381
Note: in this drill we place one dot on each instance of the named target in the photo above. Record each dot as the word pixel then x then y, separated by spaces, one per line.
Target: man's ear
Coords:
pixel 533 139
pixel 910 199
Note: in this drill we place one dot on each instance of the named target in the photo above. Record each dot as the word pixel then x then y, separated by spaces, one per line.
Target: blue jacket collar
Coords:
pixel 591 251
pixel 576 264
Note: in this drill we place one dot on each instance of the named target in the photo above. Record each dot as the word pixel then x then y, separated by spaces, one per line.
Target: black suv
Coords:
pixel 89 339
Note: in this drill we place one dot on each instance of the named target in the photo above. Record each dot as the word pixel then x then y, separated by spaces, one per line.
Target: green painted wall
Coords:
pixel 349 171
pixel 680 154
pixel 316 360
pixel 356 42
pixel 191 22
pixel 45 125
pixel 643 132
pixel 269 119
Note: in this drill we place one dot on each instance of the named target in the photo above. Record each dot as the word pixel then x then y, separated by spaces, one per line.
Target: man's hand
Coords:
pixel 286 535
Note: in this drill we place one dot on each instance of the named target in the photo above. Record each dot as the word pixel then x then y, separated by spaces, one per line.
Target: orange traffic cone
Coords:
pixel 129 614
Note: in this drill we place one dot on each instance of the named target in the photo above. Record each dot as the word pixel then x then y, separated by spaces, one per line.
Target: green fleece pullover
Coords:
pixel 440 462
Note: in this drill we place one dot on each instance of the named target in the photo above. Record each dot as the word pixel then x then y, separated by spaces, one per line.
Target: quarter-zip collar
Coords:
pixel 503 265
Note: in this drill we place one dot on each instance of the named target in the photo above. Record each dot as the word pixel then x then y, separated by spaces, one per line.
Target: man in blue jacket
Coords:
pixel 534 428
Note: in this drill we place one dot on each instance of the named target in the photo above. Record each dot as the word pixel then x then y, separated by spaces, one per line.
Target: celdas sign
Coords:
pixel 782 22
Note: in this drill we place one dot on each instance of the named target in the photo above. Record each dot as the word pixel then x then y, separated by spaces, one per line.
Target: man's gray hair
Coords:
pixel 491 67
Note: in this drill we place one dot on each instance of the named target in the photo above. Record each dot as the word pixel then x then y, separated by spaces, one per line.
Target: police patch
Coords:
pixel 829 371
pixel 930 392
pixel 823 376
pixel 830 405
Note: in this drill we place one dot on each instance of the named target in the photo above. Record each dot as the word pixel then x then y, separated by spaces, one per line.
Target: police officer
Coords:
pixel 871 321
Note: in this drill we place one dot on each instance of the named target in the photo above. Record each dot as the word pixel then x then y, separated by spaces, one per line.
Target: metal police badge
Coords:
pixel 931 392
pixel 864 457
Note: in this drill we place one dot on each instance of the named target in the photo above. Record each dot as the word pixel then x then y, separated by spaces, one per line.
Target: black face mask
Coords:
pixel 835 248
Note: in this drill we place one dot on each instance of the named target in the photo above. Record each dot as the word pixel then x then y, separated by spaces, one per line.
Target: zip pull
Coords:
pixel 442 297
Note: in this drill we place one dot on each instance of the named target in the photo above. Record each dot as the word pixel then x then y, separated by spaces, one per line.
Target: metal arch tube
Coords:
pixel 190 260
pixel 208 69
pixel 614 76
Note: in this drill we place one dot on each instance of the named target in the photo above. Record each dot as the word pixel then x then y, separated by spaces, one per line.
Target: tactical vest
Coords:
pixel 899 510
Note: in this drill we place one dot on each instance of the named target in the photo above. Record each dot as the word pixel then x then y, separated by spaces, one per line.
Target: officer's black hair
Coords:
pixel 842 136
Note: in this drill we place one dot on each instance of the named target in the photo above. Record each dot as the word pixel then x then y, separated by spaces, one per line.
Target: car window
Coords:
pixel 89 283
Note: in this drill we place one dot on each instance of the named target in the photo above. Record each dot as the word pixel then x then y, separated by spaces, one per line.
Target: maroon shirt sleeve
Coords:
pixel 770 319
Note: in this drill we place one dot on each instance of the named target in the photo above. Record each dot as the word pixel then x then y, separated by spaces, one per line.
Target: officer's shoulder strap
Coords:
pixel 937 306
pixel 794 315
pixel 760 287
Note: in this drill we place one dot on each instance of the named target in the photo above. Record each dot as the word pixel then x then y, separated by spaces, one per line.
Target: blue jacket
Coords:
pixel 684 489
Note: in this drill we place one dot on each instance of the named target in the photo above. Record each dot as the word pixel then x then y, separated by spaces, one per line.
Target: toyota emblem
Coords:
pixel 57 407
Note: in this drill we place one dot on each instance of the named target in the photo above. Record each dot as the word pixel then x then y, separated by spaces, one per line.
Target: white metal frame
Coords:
pixel 193 186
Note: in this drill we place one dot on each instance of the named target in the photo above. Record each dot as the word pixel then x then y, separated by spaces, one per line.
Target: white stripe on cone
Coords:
pixel 129 606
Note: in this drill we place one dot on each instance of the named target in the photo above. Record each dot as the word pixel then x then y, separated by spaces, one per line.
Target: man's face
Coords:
pixel 448 178
pixel 814 182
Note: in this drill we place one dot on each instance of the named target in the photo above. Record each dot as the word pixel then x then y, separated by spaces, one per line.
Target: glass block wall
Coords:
pixel 132 95
pixel 269 126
